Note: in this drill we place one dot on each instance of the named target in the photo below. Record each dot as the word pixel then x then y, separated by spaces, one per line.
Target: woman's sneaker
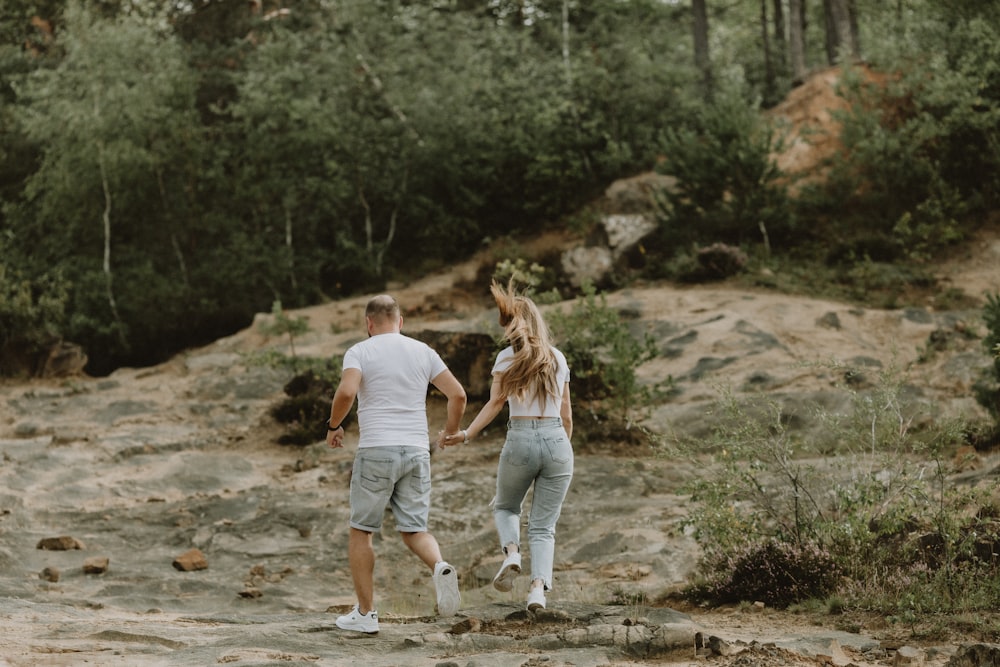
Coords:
pixel 367 623
pixel 446 585
pixel 536 598
pixel 504 581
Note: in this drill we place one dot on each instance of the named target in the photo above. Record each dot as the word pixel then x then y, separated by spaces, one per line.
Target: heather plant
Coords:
pixel 773 572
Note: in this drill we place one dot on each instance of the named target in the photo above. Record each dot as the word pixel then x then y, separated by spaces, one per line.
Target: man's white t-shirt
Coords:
pixel 534 409
pixel 392 399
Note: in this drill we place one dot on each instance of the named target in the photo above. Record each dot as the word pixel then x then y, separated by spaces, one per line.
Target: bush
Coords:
pixel 728 186
pixel 988 388
pixel 32 315
pixel 602 353
pixel 869 495
pixel 776 573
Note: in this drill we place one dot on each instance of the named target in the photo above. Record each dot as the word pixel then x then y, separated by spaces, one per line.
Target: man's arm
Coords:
pixel 343 399
pixel 448 385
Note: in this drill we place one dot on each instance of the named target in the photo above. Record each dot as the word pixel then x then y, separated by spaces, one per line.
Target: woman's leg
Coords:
pixel 551 487
pixel 515 473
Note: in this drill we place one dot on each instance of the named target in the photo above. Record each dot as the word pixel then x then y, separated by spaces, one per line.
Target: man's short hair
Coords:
pixel 382 308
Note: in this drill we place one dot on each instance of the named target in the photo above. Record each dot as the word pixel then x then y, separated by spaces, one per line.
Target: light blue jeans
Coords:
pixel 537 451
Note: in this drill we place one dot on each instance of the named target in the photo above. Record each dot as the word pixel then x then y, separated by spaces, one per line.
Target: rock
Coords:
pixel 466 625
pixel 49 574
pixel 191 560
pixel 96 565
pixel 976 655
pixel 586 264
pixel 624 232
pixel 908 655
pixel 468 355
pixel 720 646
pixel 62 543
pixel 64 360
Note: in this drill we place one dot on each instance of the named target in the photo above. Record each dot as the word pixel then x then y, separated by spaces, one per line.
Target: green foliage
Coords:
pixel 988 388
pixel 538 281
pixel 728 185
pixel 32 315
pixel 283 325
pixel 881 510
pixel 602 353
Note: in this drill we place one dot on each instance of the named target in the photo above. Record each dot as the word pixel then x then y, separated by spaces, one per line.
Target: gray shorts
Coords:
pixel 398 477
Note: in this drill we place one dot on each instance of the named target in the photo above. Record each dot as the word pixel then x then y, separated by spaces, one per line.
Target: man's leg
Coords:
pixel 424 546
pixel 361 556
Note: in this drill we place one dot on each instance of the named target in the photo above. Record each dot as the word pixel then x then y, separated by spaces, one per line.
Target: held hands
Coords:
pixel 452 439
pixel 335 439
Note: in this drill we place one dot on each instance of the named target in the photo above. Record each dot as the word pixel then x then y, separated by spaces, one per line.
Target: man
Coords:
pixel 389 374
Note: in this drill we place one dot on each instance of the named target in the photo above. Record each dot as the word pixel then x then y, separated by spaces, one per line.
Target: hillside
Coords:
pixel 143 465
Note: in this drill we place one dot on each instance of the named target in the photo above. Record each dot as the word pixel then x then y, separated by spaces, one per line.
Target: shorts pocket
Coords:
pixel 420 480
pixel 375 474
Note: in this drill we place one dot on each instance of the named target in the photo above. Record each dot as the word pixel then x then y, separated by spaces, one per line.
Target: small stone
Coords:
pixel 96 565
pixel 466 625
pixel 49 574
pixel 908 655
pixel 62 543
pixel 250 593
pixel 191 560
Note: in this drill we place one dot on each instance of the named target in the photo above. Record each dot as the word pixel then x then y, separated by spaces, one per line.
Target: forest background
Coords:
pixel 167 170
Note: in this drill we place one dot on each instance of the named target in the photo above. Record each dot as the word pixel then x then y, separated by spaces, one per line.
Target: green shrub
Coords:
pixel 869 491
pixel 32 315
pixel 283 325
pixel 728 184
pixel 988 387
pixel 602 352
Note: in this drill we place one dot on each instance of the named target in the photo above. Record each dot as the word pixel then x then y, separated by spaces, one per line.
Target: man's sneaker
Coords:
pixel 446 585
pixel 504 581
pixel 536 598
pixel 359 622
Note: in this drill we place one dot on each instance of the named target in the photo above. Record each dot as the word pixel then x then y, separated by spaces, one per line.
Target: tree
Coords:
pixel 797 39
pixel 841 29
pixel 108 124
pixel 702 59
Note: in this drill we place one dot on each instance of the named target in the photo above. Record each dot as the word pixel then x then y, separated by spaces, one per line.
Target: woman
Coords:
pixel 532 377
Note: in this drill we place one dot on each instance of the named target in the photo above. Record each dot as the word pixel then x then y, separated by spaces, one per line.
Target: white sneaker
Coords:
pixel 446 585
pixel 367 623
pixel 536 598
pixel 504 580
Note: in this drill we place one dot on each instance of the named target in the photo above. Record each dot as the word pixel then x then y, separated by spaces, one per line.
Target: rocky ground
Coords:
pixel 141 467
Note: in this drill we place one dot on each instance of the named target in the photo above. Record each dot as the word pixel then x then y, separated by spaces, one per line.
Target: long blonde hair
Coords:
pixel 532 373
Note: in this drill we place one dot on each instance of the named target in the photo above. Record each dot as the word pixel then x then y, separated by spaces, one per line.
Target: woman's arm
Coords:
pixel 566 412
pixel 486 415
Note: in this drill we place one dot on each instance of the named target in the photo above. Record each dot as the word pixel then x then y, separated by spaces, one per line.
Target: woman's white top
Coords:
pixel 534 408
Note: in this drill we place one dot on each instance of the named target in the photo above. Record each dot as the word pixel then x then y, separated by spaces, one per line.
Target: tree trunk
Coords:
pixel 567 69
pixel 701 56
pixel 841 29
pixel 780 42
pixel 797 40
pixel 769 78
pixel 106 219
